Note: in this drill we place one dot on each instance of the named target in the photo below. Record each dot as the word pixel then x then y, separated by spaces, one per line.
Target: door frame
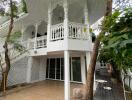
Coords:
pixel 71 69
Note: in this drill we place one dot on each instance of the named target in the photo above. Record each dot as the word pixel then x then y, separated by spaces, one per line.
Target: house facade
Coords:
pixel 56 35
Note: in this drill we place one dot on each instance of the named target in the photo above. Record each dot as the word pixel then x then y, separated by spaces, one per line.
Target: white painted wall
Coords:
pixel 28 32
pixel 79 45
pixel 18 72
pixel 38 70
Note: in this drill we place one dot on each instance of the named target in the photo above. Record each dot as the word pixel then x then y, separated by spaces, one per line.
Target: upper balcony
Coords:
pixel 64 30
pixel 78 39
pixel 77 31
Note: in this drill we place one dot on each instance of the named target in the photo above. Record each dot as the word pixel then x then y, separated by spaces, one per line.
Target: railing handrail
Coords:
pixel 57 25
pixel 78 24
pixel 42 37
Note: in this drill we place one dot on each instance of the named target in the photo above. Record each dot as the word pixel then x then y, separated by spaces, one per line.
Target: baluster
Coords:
pixel 70 31
pixel 82 32
pixel 73 32
pixel 61 32
pixel 57 31
pixel 51 34
pixel 76 33
pixel 54 34
pixel 79 32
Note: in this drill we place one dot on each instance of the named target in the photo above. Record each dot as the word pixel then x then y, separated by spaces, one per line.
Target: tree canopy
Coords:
pixel 117 39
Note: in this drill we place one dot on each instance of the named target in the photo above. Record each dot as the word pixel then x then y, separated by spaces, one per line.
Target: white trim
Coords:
pixel 88 58
pixel 29 67
pixel 71 70
pixel 66 76
pixel 83 74
pixel 60 68
pixel 48 68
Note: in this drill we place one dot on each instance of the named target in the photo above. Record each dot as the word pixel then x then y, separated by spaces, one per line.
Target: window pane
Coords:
pixel 62 68
pixel 76 64
pixel 52 68
pixel 58 68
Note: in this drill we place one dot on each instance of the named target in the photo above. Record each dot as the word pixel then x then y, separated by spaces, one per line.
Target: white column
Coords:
pixel 88 58
pixel 83 69
pixel 66 29
pixel 95 85
pixel 29 67
pixel 35 39
pixel 86 18
pixel 71 70
pixel 49 23
pixel 67 76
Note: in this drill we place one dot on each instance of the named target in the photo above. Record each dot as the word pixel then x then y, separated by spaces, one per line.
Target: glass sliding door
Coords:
pixel 62 68
pixel 58 65
pixel 76 69
pixel 47 69
pixel 55 69
pixel 52 68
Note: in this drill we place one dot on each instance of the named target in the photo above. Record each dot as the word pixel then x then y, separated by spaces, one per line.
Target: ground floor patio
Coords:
pixel 54 90
pixel 45 90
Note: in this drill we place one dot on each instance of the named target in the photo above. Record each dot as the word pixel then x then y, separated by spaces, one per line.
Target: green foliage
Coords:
pixel 117 39
pixel 24 8
pixel 14 39
pixel 2 11
pixel 92 35
pixel 14 9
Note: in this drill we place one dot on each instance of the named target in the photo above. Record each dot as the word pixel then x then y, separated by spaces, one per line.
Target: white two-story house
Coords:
pixel 56 35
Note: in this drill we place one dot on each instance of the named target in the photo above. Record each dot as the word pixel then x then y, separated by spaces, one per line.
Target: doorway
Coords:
pixel 55 69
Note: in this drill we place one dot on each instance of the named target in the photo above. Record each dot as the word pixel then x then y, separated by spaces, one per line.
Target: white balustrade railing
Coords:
pixel 76 31
pixel 41 42
pixel 57 32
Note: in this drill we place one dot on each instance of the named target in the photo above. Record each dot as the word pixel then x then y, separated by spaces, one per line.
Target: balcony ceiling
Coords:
pixel 38 11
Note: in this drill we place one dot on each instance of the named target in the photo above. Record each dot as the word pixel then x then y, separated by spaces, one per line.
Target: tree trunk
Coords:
pixel 5 46
pixel 90 73
pixel 91 70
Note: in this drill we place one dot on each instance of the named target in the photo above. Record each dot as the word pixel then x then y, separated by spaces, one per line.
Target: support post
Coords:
pixel 49 23
pixel 67 76
pixel 83 69
pixel 66 29
pixel 88 58
pixel 86 19
pixel 29 67
pixel 35 39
